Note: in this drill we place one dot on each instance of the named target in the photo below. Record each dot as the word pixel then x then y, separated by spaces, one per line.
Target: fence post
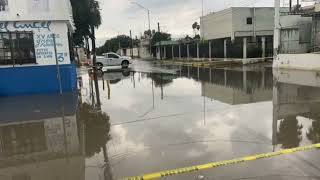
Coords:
pixel 188 52
pixel 172 52
pixel 210 50
pixel 198 54
pixel 179 51
pixel 225 48
pixel 263 41
pixel 244 48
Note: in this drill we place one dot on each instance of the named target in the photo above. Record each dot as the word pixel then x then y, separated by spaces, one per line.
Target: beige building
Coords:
pixel 240 30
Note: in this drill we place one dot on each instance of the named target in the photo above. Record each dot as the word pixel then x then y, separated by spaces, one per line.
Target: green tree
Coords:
pixel 196 29
pixel 80 9
pixel 160 36
pixel 86 14
pixel 113 44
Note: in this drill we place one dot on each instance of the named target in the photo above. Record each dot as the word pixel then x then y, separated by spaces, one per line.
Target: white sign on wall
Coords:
pixel 38 5
pixel 43 39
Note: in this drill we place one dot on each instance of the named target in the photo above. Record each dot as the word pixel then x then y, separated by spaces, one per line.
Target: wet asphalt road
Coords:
pixel 157 118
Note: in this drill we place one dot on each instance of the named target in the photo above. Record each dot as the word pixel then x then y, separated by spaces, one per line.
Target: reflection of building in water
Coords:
pixel 236 85
pixel 42 140
pixel 295 94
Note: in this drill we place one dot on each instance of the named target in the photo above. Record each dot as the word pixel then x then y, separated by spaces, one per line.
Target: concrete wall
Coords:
pixel 308 61
pixel 36 10
pixel 315 40
pixel 127 52
pixel 82 55
pixel 217 25
pixel 291 32
pixel 263 21
pixel 144 52
pixel 299 77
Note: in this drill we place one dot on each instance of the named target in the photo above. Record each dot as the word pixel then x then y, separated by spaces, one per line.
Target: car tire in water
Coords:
pixel 100 73
pixel 125 64
pixel 99 65
pixel 126 73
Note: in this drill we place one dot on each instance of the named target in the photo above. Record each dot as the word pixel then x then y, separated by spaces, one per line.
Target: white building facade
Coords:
pixel 238 28
pixel 29 32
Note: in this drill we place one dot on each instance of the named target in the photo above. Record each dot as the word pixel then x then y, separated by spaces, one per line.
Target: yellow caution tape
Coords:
pixel 221 163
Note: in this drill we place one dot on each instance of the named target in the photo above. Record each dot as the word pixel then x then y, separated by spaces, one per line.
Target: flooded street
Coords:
pixel 155 117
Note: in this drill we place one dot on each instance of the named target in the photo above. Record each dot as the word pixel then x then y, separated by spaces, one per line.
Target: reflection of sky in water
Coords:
pixel 174 131
pixel 177 132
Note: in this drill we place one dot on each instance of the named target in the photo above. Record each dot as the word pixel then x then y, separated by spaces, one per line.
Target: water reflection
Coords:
pixel 238 85
pixel 50 136
pixel 96 128
pixel 40 133
pixel 296 103
pixel 157 119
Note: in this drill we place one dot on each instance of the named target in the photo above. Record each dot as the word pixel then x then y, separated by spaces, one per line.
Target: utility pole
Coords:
pixel 290 5
pixel 160 41
pixel 276 38
pixel 57 63
pixel 150 45
pixel 131 44
pixel 148 21
pixel 94 60
pixel 201 21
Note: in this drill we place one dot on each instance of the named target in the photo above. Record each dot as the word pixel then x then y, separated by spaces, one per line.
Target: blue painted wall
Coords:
pixel 37 107
pixel 36 79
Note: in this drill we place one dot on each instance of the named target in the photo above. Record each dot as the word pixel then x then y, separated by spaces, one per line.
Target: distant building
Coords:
pixel 128 52
pixel 27 55
pixel 144 47
pixel 240 32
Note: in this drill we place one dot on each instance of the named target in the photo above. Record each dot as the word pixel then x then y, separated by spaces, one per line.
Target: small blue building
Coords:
pixel 27 54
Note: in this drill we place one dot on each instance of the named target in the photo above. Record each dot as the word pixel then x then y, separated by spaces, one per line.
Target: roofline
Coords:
pixel 236 7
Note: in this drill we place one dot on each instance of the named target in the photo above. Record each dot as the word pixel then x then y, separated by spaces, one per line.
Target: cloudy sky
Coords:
pixel 175 16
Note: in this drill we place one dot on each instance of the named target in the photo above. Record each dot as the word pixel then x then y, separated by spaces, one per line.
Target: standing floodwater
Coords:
pixel 156 117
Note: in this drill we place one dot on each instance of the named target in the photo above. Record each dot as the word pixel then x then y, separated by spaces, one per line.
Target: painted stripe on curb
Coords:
pixel 213 165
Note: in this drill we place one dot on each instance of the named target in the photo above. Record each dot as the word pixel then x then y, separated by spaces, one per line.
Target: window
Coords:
pixel 113 56
pixel 249 20
pixel 17 48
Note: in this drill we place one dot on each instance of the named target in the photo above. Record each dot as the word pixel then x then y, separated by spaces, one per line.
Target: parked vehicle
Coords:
pixel 113 59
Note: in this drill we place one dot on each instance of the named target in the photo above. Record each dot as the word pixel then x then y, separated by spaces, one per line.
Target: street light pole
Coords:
pixel 149 20
pixel 142 7
pixel 201 21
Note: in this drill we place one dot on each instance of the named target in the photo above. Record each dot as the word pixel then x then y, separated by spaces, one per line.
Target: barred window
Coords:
pixel 17 48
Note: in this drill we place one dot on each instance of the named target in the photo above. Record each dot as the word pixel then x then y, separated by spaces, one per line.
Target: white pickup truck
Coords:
pixel 113 59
